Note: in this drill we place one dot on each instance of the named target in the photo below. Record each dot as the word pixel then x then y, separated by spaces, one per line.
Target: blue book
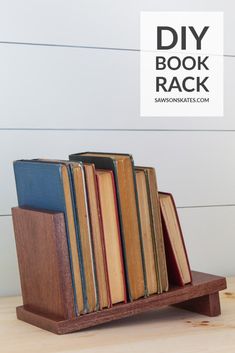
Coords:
pixel 48 186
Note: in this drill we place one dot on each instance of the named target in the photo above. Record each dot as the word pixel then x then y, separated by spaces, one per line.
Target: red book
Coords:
pixel 97 236
pixel 112 237
pixel 178 267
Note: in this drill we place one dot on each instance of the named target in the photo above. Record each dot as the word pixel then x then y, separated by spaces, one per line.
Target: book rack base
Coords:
pixel 202 296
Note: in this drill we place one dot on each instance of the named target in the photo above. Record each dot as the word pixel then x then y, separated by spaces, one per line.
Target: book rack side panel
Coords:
pixel 43 260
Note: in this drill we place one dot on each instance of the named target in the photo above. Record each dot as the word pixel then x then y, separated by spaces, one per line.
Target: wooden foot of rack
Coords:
pixel 208 305
pixel 201 296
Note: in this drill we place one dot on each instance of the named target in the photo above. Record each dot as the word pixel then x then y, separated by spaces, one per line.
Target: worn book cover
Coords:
pixel 176 254
pixel 123 171
pixel 47 186
pixel 152 187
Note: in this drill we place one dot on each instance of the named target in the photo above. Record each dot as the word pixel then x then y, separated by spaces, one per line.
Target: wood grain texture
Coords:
pixel 43 262
pixel 167 330
pixel 206 305
pixel 203 285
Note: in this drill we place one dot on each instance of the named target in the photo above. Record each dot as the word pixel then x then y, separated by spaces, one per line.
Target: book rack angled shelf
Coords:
pixel 46 287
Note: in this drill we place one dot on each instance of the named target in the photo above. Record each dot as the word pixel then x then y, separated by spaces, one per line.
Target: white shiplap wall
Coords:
pixel 69 81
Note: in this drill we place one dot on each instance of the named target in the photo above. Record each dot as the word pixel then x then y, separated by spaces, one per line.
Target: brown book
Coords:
pixel 123 169
pixel 147 232
pixel 97 237
pixel 157 227
pixel 112 240
pixel 81 210
pixel 43 259
pixel 72 236
pixel 177 259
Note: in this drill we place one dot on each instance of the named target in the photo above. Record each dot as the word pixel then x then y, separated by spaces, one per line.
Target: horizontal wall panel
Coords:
pixel 48 87
pixel 9 274
pixel 95 23
pixel 209 238
pixel 208 233
pixel 198 168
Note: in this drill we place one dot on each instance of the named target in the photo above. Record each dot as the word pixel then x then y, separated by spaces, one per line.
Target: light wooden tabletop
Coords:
pixel 165 330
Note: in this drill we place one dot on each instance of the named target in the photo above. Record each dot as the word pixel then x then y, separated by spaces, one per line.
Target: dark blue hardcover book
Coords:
pixel 48 186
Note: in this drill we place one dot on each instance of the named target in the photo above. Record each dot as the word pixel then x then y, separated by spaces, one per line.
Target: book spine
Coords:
pixel 140 231
pixel 155 250
pixel 79 248
pixel 91 241
pixel 181 234
pixel 122 232
pixel 119 239
pixel 102 242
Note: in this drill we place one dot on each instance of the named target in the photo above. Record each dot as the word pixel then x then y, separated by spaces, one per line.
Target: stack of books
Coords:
pixel 124 237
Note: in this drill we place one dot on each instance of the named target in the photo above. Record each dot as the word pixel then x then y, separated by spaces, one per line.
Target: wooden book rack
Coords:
pixel 47 287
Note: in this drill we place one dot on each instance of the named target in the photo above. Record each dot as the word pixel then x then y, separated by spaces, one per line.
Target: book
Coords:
pixel 43 259
pixel 81 210
pixel 97 237
pixel 123 170
pixel 81 215
pixel 112 240
pixel 47 186
pixel 177 259
pixel 147 232
pixel 151 179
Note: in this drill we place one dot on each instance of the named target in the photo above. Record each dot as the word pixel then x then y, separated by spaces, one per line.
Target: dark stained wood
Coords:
pixel 203 286
pixel 47 287
pixel 43 259
pixel 207 305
